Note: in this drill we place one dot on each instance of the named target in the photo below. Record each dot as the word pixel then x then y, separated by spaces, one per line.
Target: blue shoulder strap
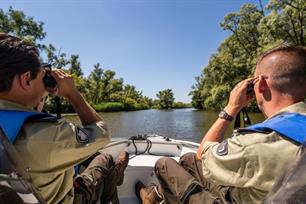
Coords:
pixel 290 125
pixel 11 121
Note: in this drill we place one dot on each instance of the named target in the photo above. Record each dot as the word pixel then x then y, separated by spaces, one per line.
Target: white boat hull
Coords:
pixel 143 155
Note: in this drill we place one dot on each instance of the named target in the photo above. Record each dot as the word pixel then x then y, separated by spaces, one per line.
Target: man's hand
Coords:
pixel 65 84
pixel 239 97
pixel 66 88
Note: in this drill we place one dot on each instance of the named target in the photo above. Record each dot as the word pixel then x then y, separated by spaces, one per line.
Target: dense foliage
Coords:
pixel 165 99
pixel 103 90
pixel 254 30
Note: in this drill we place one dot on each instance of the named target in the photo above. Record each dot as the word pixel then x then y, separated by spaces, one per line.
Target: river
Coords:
pixel 187 124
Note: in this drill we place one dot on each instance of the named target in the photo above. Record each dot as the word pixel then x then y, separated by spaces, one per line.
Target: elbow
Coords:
pixel 199 154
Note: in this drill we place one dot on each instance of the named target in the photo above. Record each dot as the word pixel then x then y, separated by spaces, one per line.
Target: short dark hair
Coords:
pixel 289 72
pixel 16 57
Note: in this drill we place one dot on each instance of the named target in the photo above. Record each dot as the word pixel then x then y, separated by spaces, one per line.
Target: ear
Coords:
pixel 262 84
pixel 25 80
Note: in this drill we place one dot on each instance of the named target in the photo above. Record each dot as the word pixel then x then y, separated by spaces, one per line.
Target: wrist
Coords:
pixel 232 111
pixel 225 116
pixel 71 94
pixel 73 97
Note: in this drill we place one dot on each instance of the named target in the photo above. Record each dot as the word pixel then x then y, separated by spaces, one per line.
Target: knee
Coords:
pixel 190 156
pixel 104 160
pixel 163 163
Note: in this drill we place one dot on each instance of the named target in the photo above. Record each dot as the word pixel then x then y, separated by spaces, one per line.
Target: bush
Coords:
pixel 117 106
pixel 181 105
pixel 109 107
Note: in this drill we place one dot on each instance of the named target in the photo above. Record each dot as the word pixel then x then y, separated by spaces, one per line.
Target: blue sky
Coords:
pixel 151 44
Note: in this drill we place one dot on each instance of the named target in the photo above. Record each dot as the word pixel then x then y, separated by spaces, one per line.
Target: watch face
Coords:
pixel 222 114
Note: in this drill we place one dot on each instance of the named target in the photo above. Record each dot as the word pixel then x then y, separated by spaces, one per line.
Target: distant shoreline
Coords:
pixel 118 107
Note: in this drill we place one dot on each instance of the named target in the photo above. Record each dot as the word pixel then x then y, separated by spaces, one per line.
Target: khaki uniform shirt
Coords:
pixel 51 149
pixel 250 162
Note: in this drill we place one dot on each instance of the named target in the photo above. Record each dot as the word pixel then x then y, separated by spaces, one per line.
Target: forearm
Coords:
pixel 85 112
pixel 217 130
pixel 238 99
pixel 214 134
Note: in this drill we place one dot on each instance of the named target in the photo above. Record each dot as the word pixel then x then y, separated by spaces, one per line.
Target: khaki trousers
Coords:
pixel 98 180
pixel 183 182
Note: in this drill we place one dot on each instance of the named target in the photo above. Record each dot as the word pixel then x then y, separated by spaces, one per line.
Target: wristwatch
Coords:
pixel 224 115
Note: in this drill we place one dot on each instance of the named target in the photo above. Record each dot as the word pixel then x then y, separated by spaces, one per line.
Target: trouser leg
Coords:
pixel 178 186
pixel 193 166
pixel 91 182
pixel 110 193
pixel 174 181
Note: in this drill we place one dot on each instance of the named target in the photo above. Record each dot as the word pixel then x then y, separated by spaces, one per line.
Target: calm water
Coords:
pixel 188 124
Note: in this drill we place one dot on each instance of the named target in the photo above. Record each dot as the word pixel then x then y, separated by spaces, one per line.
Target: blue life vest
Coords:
pixel 11 121
pixel 289 125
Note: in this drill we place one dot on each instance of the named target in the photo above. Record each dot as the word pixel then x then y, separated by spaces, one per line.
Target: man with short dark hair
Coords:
pixel 243 168
pixel 50 149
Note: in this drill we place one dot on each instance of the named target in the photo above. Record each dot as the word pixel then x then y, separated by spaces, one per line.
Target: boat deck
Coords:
pixel 141 165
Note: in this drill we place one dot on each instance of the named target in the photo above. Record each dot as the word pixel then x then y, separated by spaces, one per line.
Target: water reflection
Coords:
pixel 188 124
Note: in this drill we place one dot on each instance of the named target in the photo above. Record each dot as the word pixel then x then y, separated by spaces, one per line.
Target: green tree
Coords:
pixel 284 23
pixel 165 99
pixel 104 87
pixel 17 23
pixel 253 32
pixel 131 92
pixel 94 84
pixel 146 101
pixel 75 66
pixel 57 60
pixel 107 78
pixel 196 95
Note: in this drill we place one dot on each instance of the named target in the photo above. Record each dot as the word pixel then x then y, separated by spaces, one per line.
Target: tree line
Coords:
pixel 102 88
pixel 254 29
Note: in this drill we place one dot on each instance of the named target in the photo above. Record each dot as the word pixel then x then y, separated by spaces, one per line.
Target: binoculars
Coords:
pixel 48 80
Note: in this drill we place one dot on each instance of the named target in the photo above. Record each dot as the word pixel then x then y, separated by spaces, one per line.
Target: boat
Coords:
pixel 144 151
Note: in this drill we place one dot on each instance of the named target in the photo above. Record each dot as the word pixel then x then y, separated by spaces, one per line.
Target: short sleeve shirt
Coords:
pixel 250 162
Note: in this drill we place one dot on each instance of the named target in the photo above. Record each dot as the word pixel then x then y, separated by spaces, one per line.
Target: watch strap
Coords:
pixel 224 115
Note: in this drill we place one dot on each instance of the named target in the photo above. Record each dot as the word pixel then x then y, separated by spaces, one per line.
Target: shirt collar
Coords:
pixel 299 107
pixel 6 104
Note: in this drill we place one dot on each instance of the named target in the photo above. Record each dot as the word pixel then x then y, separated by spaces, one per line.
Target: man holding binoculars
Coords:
pixel 244 167
pixel 49 150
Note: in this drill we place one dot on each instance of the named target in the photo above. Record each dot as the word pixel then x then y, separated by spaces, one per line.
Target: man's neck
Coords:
pixel 16 98
pixel 277 104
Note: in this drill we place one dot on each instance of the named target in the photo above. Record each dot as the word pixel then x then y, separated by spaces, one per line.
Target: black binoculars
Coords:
pixel 48 80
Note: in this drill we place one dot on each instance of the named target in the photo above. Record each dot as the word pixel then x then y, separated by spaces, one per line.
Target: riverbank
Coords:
pixel 117 106
pixel 114 107
pixel 111 107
